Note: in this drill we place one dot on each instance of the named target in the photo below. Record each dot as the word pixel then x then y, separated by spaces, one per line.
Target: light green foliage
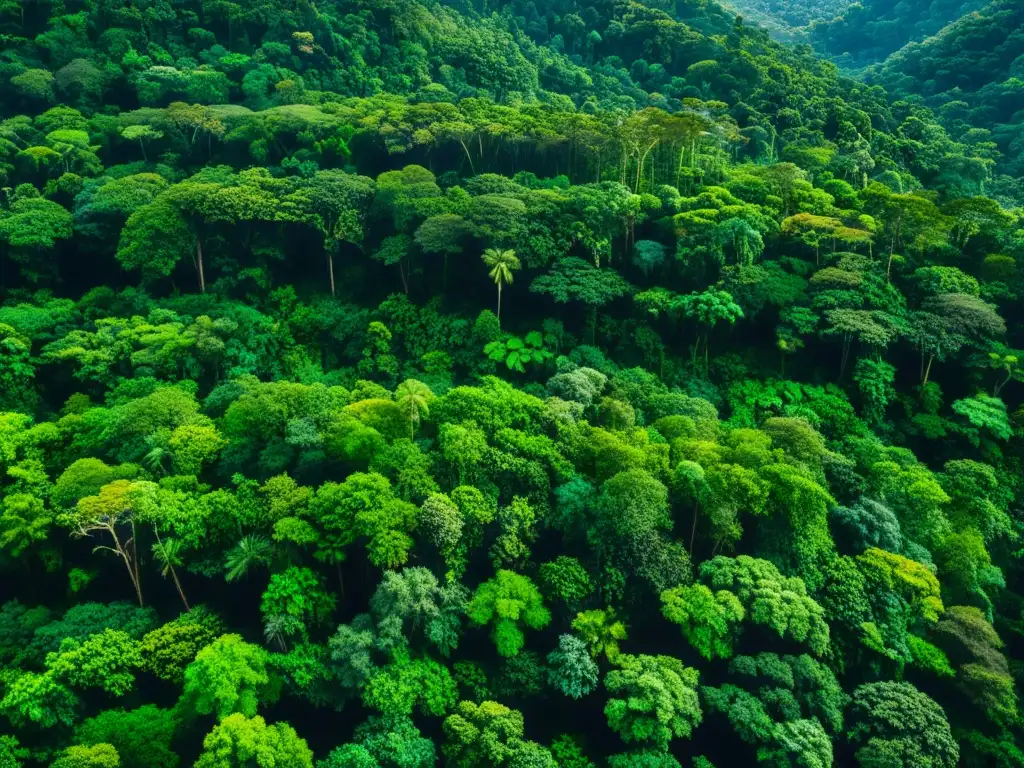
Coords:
pixel 519 353
pixel 914 582
pixel 510 603
pixel 653 699
pixel 107 661
pixel 489 734
pixel 95 756
pixel 601 631
pixel 228 676
pixel 568 754
pixel 24 522
pixel 779 603
pixel 707 618
pixel 405 685
pixel 238 741
pixel 11 753
pixel 927 657
pixel 39 699
pixel 297 598
pixel 365 506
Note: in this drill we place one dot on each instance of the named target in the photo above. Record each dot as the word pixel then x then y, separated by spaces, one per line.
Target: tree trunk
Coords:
pixel 928 370
pixel 330 269
pixel 499 303
pixel 143 146
pixel 693 530
pixel 1000 384
pixel 132 573
pixel 177 585
pixel 466 150
pixel 199 265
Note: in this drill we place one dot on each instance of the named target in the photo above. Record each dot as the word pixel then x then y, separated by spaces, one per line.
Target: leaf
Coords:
pixel 534 339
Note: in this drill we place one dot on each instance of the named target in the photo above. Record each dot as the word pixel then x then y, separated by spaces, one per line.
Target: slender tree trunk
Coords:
pixel 199 265
pixel 466 150
pixel 928 370
pixel 123 554
pixel 177 585
pixel 143 146
pixel 330 269
pixel 499 303
pixel 1000 384
pixel 693 530
pixel 174 574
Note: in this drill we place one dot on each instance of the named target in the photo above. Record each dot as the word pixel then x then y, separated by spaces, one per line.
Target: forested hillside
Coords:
pixel 788 19
pixel 869 31
pixel 972 74
pixel 408 384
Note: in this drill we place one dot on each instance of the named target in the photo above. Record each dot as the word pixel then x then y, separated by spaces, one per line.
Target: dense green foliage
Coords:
pixel 871 30
pixel 535 386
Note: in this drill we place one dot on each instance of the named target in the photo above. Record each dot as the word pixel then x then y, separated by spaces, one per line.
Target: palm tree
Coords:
pixel 251 551
pixel 414 399
pixel 275 630
pixel 167 552
pixel 502 263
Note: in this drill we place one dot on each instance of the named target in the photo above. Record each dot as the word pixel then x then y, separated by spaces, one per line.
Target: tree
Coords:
pixel 707 309
pixel 407 684
pixel 95 756
pixel 31 227
pixel 414 397
pixel 510 603
pixel 485 734
pixel 24 523
pixel 240 742
pixel 396 741
pixel 168 553
pixel 654 699
pixel 502 264
pixel 770 599
pixel 983 674
pixel 894 724
pixel 155 237
pixel 565 579
pixel 107 661
pixel 572 279
pixel 229 676
pixel 707 618
pixel 334 203
pixel 572 670
pixel 108 511
pixel 39 699
pixel 141 134
pixel 298 600
pixel 601 631
pixel 142 736
pixel 445 233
